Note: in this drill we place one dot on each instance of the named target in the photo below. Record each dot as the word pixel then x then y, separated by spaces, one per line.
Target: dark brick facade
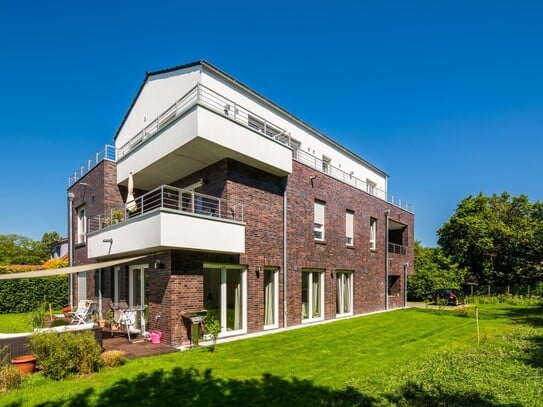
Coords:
pixel 178 287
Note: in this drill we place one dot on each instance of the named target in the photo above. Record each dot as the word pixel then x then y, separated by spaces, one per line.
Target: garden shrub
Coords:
pixel 65 353
pixel 113 358
pixel 10 377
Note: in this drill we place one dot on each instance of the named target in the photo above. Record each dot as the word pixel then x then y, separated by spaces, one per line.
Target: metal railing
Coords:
pixel 172 199
pixel 107 153
pixel 397 248
pixel 202 95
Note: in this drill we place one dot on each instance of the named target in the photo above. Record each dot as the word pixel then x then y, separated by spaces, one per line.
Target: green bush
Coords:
pixel 22 295
pixel 65 353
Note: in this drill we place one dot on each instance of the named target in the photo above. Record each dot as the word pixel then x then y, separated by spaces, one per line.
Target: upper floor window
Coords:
pixel 370 187
pixel 319 220
pixel 326 164
pixel 81 225
pixel 373 233
pixel 349 228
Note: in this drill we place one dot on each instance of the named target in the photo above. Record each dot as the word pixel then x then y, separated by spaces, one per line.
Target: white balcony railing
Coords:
pixel 107 153
pixel 202 95
pixel 397 248
pixel 172 199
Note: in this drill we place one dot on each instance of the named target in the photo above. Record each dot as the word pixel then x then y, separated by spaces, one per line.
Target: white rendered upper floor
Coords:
pixel 188 117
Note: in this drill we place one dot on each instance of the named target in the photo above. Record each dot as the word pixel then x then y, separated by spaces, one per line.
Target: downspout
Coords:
pixel 405 267
pixel 285 263
pixel 70 244
pixel 387 215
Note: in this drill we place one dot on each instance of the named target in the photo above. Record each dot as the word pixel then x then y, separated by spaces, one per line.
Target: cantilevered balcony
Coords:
pixel 201 128
pixel 168 218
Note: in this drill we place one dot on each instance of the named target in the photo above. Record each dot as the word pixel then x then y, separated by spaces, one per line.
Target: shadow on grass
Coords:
pixel 189 387
pixel 414 395
pixel 532 316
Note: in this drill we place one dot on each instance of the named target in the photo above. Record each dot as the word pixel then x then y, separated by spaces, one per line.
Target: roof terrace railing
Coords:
pixel 172 199
pixel 204 96
pixel 107 153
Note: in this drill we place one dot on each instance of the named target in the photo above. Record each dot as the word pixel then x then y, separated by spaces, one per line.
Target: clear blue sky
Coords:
pixel 445 96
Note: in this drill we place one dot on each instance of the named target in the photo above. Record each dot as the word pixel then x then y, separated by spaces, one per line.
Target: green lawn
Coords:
pixel 413 357
pixel 15 323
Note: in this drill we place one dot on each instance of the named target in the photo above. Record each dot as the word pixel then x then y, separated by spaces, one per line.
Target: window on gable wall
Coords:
pixel 349 228
pixel 319 220
pixel 81 225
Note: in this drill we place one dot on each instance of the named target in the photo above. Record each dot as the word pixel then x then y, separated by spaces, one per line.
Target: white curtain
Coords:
pixel 237 302
pixel 346 293
pixel 269 299
pixel 315 295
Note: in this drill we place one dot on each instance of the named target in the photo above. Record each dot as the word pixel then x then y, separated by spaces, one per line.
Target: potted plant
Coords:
pixel 111 320
pixel 117 216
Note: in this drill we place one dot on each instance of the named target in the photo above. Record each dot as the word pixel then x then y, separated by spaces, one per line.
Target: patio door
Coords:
pixel 138 287
pixel 225 294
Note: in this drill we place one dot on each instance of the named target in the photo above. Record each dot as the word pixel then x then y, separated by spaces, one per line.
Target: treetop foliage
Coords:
pixel 498 238
pixel 16 249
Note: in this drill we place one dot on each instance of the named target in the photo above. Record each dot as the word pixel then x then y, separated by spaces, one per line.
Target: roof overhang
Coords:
pixel 69 270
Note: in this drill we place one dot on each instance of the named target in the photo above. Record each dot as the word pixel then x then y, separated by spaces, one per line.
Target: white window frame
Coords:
pixel 319 220
pixel 343 277
pixel 373 234
pixel 326 161
pixel 371 187
pixel 81 224
pixel 223 270
pixel 349 227
pixel 275 279
pixel 309 273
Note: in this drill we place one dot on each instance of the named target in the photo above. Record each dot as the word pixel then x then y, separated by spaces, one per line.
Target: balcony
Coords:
pixel 201 128
pixel 168 218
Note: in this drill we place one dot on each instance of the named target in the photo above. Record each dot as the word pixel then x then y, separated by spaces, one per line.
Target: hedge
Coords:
pixel 24 294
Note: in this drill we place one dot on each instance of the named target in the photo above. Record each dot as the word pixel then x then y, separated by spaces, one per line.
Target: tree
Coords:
pixel 433 269
pixel 16 249
pixel 497 238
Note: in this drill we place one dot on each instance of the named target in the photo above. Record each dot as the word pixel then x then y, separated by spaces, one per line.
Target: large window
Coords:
pixel 373 233
pixel 393 286
pixel 344 293
pixel 319 220
pixel 349 228
pixel 225 295
pixel 312 294
pixel 271 297
pixel 81 225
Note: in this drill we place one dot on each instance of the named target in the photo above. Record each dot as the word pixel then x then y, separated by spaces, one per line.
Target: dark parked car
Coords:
pixel 453 296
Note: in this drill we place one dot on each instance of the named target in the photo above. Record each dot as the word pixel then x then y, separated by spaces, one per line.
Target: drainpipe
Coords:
pixel 285 312
pixel 387 215
pixel 71 244
pixel 405 267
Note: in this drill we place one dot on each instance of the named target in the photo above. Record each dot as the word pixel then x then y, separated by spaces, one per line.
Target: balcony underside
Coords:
pixel 163 229
pixel 196 140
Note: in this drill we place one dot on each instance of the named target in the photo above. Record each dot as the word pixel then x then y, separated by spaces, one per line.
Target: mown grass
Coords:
pixel 15 323
pixel 414 357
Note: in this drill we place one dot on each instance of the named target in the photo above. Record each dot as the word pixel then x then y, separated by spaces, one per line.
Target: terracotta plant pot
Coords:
pixel 25 363
pixel 102 323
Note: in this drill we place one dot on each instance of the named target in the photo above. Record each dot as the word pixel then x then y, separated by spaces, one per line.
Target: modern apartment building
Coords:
pixel 213 197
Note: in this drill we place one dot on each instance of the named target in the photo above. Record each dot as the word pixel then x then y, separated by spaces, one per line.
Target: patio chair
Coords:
pixel 128 320
pixel 84 312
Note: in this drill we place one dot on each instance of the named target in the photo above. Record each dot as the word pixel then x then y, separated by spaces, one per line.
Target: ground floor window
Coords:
pixel 271 297
pixel 312 294
pixel 225 295
pixel 344 292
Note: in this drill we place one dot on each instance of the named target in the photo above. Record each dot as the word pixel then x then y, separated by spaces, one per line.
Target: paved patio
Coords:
pixel 137 349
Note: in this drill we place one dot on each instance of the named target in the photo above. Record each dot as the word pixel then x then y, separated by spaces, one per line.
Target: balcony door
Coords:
pixel 225 295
